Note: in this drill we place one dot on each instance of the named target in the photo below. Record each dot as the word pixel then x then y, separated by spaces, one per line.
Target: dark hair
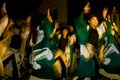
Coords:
pixel 92 14
pixel 1 4
pixel 16 41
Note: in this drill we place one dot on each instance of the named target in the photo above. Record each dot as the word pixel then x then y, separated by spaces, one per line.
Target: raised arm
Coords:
pixel 104 13
pixel 49 16
pixel 24 37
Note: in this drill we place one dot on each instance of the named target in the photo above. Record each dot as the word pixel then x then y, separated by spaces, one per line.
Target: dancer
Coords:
pixel 42 57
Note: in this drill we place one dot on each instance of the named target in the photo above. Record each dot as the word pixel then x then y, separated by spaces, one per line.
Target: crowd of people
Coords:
pixel 51 50
pixel 14 43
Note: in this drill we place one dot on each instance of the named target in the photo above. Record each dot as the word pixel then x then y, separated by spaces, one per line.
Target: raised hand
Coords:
pixel 87 8
pixel 105 11
pixel 28 19
pixel 49 16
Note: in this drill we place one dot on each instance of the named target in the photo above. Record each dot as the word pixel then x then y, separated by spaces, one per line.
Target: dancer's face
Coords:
pixel 93 22
pixel 65 32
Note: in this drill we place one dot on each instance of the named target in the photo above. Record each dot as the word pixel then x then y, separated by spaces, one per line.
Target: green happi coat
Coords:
pixel 112 59
pixel 46 29
pixel 42 52
pixel 85 68
pixel 82 32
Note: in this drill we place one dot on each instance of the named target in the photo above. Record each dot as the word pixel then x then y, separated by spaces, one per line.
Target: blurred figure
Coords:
pixel 3 24
pixel 110 53
pixel 42 57
pixel 82 33
pixel 62 54
pixel 3 17
pixel 74 51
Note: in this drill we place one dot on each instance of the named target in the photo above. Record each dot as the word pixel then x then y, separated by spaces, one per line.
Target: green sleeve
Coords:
pixel 81 29
pixel 48 26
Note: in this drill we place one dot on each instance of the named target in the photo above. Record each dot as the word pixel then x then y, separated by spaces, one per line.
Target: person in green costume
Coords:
pixel 110 55
pixel 82 33
pixel 80 24
pixel 101 28
pixel 87 35
pixel 88 51
pixel 42 57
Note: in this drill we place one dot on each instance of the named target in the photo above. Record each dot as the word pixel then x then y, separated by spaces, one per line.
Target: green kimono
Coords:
pixel 82 32
pixel 42 58
pixel 111 62
pixel 85 68
pixel 45 30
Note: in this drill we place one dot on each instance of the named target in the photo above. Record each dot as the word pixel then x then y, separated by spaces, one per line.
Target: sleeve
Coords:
pixel 48 26
pixel 81 29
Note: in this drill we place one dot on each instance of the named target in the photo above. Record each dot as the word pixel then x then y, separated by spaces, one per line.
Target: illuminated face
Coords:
pixel 93 22
pixel 65 32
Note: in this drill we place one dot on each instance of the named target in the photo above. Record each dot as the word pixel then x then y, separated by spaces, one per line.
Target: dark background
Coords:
pixel 18 9
pixel 75 7
pixel 21 8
